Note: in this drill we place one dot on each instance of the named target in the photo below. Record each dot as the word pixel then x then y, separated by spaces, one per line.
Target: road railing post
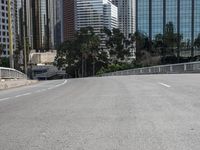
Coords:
pixel 9 73
pixel 171 68
pixel 185 67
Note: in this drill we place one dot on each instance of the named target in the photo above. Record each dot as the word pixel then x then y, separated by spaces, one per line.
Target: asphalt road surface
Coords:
pixel 152 112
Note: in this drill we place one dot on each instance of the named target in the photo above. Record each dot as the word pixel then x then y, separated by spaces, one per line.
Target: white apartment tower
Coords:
pixel 126 15
pixel 110 15
pixel 97 14
pixel 4 30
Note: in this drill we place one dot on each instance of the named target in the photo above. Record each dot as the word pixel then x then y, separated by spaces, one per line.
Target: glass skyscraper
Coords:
pixel 152 16
pixel 47 33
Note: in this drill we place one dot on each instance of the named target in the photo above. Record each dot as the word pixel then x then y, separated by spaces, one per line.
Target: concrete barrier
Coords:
pixel 7 84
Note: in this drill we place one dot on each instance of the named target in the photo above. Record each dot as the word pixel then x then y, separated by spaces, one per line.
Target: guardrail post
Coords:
pixel 159 69
pixel 185 67
pixel 9 73
pixel 171 68
pixel 140 71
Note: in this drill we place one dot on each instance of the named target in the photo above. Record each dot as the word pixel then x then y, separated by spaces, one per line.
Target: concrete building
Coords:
pixel 127 15
pixel 154 15
pixel 110 15
pixel 4 30
pixel 45 58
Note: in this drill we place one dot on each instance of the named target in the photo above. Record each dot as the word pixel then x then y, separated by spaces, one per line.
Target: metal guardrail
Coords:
pixel 192 67
pixel 9 73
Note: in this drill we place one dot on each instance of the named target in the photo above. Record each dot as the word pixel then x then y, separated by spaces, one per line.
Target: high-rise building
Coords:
pixel 68 19
pixel 97 14
pixel 110 15
pixel 55 22
pixel 4 29
pixel 40 25
pixel 47 26
pixel 126 15
pixel 24 17
pixel 154 15
pixel 39 16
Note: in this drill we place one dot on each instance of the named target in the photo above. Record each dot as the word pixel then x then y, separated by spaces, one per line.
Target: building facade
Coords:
pixel 68 19
pixel 56 22
pixel 47 26
pixel 127 15
pixel 4 30
pixel 97 14
pixel 110 15
pixel 153 16
pixel 39 16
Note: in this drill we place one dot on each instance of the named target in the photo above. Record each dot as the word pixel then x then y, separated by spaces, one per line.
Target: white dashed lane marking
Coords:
pixel 3 99
pixel 39 91
pixel 163 84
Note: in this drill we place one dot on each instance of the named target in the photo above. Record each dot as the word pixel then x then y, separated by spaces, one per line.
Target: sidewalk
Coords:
pixel 7 84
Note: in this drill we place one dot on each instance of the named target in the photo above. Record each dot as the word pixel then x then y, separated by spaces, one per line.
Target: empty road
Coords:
pixel 150 112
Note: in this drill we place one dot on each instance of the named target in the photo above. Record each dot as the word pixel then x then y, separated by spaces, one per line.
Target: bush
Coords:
pixel 116 67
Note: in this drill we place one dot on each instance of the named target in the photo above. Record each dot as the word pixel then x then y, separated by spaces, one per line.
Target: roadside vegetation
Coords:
pixel 4 61
pixel 89 55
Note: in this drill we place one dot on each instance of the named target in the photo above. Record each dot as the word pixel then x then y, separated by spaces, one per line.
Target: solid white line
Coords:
pixel 163 84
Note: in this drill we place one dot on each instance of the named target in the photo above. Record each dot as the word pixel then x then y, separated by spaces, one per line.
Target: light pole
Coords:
pixel 47 26
pixel 10 35
pixel 24 35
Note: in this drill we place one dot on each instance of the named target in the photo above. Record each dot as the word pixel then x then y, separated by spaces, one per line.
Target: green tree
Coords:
pixel 89 44
pixel 172 40
pixel 80 56
pixel 197 41
pixel 142 46
pixel 67 56
pixel 116 45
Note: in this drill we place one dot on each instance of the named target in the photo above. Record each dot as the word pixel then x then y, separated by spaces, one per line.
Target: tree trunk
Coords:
pixel 93 67
pixel 82 75
pixel 85 67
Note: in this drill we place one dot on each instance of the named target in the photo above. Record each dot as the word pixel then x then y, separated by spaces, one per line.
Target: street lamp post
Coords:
pixel 10 35
pixel 24 36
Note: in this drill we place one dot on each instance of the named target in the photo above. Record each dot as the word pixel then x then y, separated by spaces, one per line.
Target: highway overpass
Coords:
pixel 147 112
